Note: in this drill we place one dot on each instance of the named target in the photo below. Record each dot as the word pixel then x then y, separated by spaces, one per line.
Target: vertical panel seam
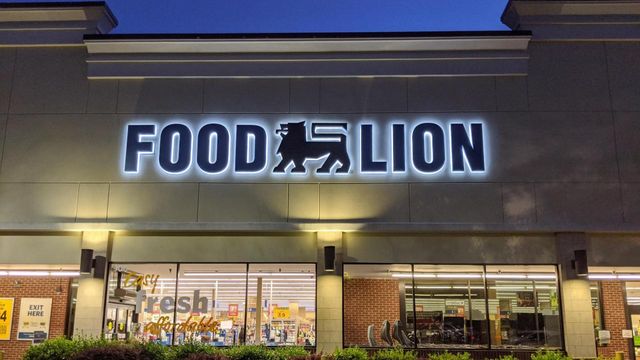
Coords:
pixel 502 201
pixel 406 97
pixel 86 102
pixel 320 96
pixel 202 105
pixel 117 96
pixel 106 216
pixel 4 140
pixel 288 215
pixel 495 94
pixel 198 202
pixel 535 203
pixel 6 118
pixel 13 79
pixel 289 95
pixel 407 85
pixel 288 197
pixel 615 134
pixel 526 89
pixel 77 202
pixel 409 202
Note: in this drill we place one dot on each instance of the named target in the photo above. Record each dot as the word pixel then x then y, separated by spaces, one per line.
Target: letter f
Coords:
pixel 135 145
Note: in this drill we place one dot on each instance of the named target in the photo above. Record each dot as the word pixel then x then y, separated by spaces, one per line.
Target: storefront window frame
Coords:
pixel 317 273
pixel 488 346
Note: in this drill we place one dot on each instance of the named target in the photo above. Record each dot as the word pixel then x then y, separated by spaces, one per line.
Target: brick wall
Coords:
pixel 615 318
pixel 369 302
pixel 34 287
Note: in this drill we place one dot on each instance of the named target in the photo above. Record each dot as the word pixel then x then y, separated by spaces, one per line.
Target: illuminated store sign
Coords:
pixel 299 147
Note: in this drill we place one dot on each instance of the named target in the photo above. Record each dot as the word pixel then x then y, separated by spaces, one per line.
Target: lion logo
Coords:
pixel 295 148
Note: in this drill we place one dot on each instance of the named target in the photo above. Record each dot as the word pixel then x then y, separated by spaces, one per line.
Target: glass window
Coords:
pixel 281 304
pixel 595 306
pixel 173 303
pixel 523 306
pixel 632 289
pixel 633 293
pixel 378 306
pixel 450 306
pixel 441 306
pixel 211 303
pixel 141 302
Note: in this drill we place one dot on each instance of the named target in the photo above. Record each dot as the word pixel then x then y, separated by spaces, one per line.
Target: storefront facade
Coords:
pixel 428 190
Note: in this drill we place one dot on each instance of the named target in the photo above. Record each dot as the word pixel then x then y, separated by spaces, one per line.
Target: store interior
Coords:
pixel 270 304
pixel 443 306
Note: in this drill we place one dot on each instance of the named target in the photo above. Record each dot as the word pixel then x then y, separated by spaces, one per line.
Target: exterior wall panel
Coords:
pixel 243 202
pixel 614 250
pixel 102 97
pixel 452 94
pixel 157 202
pixel 449 249
pixel 364 202
pixel 519 203
pixel 3 129
pixel 7 64
pixel 551 147
pixel 631 202
pixel 354 95
pixel 456 203
pixel 304 202
pixel 160 96
pixel 511 93
pixel 624 75
pixel 50 80
pixel 93 202
pixel 627 128
pixel 246 96
pixel 51 249
pixel 61 148
pixel 557 80
pixel 284 248
pixel 304 95
pixel 579 203
pixel 38 202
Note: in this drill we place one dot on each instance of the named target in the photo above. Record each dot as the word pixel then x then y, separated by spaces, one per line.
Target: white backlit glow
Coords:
pixel 386 158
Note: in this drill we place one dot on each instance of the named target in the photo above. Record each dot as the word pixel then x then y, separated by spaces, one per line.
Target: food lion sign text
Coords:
pixel 299 148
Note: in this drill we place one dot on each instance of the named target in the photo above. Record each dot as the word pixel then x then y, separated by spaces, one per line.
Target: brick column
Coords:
pixel 614 318
pixel 369 302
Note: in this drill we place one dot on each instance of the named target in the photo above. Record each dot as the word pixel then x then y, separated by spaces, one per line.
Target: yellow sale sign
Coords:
pixel 6 314
pixel 281 313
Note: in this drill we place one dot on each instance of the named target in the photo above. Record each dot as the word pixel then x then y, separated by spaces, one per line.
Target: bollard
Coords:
pixel 1 355
pixel 619 355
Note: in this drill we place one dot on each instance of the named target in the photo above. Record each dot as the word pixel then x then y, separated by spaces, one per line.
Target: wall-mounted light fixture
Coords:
pixel 88 262
pixel 579 263
pixel 330 258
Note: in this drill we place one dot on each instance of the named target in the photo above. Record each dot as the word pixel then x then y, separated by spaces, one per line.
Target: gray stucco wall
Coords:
pixel 563 148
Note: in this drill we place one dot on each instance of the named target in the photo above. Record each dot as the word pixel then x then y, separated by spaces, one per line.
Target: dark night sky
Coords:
pixel 269 16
